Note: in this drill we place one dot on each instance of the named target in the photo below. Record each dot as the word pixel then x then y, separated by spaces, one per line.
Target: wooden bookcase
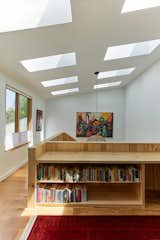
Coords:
pixel 100 192
pixel 101 195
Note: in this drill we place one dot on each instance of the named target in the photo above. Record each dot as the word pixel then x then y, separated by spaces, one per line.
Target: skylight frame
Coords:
pixel 137 5
pixel 59 81
pixel 131 50
pixel 115 73
pixel 65 91
pixel 107 85
pixel 49 62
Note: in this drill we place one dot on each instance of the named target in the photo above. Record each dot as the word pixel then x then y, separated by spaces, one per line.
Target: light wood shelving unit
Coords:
pixel 101 195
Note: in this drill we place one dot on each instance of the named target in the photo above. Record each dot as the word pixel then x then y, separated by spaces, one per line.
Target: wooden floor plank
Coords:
pixel 13 201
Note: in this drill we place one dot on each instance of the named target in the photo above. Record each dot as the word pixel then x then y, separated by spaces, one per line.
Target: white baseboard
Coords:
pixel 28 228
pixel 12 170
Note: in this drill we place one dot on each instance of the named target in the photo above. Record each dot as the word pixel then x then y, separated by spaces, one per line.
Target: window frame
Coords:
pixel 17 113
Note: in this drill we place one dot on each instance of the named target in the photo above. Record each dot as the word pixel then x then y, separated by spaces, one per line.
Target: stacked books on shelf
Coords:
pixel 61 194
pixel 104 173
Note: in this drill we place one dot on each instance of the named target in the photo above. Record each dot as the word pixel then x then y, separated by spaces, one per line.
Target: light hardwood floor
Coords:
pixel 13 201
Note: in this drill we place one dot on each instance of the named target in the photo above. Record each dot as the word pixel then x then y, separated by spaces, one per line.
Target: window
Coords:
pixel 115 73
pixel 50 62
pixel 18 118
pixel 135 5
pixel 107 85
pixel 131 49
pixel 10 111
pixel 65 91
pixel 23 113
pixel 60 81
pixel 27 14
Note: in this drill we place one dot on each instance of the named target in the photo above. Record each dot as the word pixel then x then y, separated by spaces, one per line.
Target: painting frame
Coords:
pixel 39 120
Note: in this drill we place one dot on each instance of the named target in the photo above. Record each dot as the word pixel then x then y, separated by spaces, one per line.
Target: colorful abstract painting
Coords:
pixel 94 123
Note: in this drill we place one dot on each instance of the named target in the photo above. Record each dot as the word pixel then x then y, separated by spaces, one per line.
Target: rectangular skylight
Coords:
pixel 132 49
pixel 115 73
pixel 106 85
pixel 66 91
pixel 134 5
pixel 60 81
pixel 50 62
pixel 27 14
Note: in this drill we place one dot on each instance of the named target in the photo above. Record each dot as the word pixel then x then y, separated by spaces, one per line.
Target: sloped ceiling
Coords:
pixel 96 24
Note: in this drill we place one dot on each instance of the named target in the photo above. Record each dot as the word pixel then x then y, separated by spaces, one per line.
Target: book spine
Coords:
pixel 107 173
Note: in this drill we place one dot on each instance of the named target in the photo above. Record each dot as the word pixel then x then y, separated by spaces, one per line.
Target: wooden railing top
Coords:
pixel 76 146
pixel 101 147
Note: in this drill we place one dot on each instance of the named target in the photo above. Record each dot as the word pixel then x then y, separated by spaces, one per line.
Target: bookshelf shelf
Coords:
pixel 94 203
pixel 87 182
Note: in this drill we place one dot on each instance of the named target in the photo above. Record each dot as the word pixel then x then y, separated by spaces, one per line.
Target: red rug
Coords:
pixel 95 228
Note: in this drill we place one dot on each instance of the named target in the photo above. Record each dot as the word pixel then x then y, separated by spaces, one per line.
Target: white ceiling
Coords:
pixel 96 24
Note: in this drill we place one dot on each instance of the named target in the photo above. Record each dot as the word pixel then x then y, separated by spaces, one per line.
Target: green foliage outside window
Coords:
pixel 10 112
pixel 10 115
pixel 23 107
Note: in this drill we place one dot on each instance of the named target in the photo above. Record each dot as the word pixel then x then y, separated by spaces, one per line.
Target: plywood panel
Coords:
pixel 40 150
pixel 153 177
pixel 99 157
pixel 63 137
pixel 31 177
pixel 142 186
pixel 101 147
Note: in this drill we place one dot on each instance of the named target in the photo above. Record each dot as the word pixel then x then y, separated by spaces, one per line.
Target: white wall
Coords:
pixel 61 112
pixel 11 160
pixel 136 114
pixel 136 109
pixel 142 107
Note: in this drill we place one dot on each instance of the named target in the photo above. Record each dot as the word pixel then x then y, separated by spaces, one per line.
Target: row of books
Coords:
pixel 60 194
pixel 103 173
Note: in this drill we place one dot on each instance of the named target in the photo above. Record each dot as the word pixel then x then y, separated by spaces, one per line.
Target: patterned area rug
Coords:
pixel 95 228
